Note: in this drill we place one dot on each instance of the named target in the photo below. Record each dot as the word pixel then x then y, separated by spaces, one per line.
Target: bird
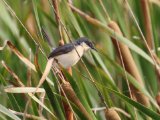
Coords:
pixel 69 54
pixel 66 56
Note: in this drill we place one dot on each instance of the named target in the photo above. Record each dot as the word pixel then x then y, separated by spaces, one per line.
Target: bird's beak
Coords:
pixel 95 49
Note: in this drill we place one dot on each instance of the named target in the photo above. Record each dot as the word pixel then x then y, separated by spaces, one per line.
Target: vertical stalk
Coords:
pixel 68 111
pixel 57 16
pixel 147 23
pixel 129 64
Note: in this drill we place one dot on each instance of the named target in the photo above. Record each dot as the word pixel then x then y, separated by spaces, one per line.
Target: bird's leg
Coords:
pixel 59 71
pixel 55 68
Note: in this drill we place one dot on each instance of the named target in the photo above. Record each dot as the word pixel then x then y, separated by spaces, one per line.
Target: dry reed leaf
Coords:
pixel 30 90
pixel 13 74
pixel 119 110
pixel 29 116
pixel 122 112
pixel 4 45
pixel 29 64
pixel 23 59
pixel 40 103
pixel 23 90
pixel 46 72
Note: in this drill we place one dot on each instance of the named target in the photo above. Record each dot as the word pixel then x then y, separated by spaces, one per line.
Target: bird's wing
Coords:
pixel 61 50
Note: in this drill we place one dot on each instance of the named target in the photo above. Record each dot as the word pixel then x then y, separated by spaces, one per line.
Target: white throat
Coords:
pixel 85 46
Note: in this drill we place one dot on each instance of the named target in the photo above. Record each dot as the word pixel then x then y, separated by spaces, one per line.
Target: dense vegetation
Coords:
pixel 120 81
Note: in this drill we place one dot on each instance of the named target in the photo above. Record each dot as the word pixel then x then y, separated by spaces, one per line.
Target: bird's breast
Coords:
pixel 71 58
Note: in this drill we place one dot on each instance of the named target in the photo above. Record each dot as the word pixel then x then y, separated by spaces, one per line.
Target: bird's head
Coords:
pixel 83 41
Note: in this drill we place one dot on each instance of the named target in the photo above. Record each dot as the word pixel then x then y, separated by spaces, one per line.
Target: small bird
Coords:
pixel 69 54
pixel 66 56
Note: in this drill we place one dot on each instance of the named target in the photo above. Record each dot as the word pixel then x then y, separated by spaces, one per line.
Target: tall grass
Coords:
pixel 120 81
